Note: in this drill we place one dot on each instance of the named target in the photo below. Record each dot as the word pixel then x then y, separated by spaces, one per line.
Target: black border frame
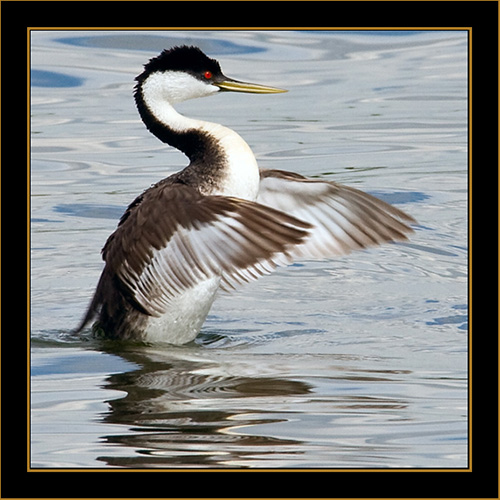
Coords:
pixel 481 481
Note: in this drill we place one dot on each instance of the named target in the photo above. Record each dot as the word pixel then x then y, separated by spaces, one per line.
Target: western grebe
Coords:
pixel 220 221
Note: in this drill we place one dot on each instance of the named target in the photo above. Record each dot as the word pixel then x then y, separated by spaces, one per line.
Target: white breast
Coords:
pixel 241 175
pixel 185 316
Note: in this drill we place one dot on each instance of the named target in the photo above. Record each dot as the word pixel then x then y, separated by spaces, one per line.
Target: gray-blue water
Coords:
pixel 357 362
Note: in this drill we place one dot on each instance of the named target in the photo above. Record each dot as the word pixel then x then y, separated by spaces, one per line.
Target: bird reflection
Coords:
pixel 181 412
pixel 215 408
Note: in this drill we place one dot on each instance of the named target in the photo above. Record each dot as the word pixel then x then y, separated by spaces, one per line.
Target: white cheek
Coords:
pixel 174 86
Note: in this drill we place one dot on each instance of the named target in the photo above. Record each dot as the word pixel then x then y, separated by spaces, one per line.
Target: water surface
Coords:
pixel 359 362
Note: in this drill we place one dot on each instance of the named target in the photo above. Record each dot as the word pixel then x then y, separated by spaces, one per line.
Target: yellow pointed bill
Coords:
pixel 252 88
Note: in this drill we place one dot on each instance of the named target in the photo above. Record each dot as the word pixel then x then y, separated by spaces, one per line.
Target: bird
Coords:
pixel 219 222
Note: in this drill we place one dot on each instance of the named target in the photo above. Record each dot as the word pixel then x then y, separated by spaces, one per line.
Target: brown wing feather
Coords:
pixel 343 218
pixel 174 236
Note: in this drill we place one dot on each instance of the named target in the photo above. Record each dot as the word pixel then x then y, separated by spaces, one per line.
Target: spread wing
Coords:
pixel 172 237
pixel 342 218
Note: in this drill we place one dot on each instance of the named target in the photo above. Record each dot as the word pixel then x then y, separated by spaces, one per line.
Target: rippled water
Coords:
pixel 349 363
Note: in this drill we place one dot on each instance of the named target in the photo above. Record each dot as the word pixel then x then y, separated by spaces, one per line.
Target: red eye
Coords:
pixel 208 75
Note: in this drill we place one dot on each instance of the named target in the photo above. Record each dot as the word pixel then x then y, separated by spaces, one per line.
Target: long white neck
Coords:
pixel 223 161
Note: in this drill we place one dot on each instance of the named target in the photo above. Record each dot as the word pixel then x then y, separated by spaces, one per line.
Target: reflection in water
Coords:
pixel 177 415
pixel 186 412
